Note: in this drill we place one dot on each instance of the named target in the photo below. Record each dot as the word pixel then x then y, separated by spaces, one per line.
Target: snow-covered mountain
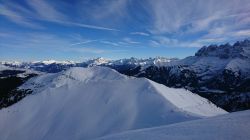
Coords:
pixel 10 79
pixel 212 61
pixel 234 126
pixel 218 73
pixel 85 103
pixel 49 66
pixel 53 66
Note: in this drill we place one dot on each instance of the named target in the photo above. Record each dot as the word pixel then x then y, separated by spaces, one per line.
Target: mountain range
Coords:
pixel 129 99
pixel 220 73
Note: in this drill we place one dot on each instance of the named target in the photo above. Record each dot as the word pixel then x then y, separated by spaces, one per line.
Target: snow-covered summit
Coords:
pixel 93 73
pixel 159 61
pixel 48 62
pixel 97 61
pixel 85 103
pixel 11 63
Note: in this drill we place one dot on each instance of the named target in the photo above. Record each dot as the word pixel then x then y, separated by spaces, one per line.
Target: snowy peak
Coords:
pixel 179 98
pixel 240 49
pixel 72 75
pixel 11 63
pixel 48 62
pixel 213 60
pixel 93 74
pixel 97 101
pixel 97 61
pixel 143 62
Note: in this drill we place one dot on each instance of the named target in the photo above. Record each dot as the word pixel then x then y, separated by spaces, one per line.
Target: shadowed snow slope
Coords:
pixel 86 103
pixel 234 126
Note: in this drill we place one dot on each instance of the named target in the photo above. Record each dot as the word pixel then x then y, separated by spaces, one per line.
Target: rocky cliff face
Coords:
pixel 226 51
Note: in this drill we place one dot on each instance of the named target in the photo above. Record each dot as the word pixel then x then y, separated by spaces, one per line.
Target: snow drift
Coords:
pixel 86 103
pixel 234 126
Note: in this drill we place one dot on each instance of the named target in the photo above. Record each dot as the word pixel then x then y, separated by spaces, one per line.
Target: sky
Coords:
pixel 82 29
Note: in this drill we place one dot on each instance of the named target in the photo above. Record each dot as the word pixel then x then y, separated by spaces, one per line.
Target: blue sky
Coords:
pixel 82 29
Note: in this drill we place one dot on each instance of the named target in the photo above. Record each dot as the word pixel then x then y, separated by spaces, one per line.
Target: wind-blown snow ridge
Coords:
pixel 94 73
pixel 194 104
pixel 75 74
pixel 86 103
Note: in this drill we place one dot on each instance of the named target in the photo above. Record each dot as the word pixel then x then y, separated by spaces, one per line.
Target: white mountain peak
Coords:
pixel 85 103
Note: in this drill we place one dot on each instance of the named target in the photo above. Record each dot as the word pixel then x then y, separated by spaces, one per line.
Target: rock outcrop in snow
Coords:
pixel 85 103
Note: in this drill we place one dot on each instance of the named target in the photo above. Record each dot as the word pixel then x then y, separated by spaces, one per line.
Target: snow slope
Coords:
pixel 234 126
pixel 18 72
pixel 86 103
pixel 3 67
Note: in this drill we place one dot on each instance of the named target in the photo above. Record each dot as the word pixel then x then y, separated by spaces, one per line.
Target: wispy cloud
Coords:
pixel 140 33
pixel 196 23
pixel 112 9
pixel 87 50
pixel 105 42
pixel 154 43
pixel 179 17
pixel 243 33
pixel 109 43
pixel 156 23
pixel 13 14
pixel 95 50
pixel 162 41
pixel 45 42
pixel 83 42
pixel 87 26
pixel 43 11
pixel 130 41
